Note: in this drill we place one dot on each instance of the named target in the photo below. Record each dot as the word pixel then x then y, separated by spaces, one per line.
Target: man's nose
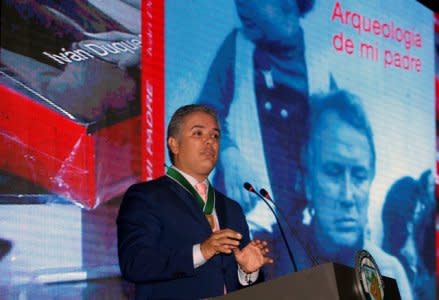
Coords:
pixel 208 139
pixel 347 189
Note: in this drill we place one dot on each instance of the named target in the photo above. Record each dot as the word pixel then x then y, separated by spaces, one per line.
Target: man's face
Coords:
pixel 338 182
pixel 269 20
pixel 195 149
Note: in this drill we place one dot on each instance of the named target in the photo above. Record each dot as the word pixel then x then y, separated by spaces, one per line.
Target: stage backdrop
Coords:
pixel 80 121
pixel 264 66
pixel 70 139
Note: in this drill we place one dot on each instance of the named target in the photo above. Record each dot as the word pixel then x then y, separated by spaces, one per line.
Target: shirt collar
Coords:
pixel 189 178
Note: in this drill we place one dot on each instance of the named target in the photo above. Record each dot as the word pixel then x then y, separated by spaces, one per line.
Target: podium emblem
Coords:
pixel 370 284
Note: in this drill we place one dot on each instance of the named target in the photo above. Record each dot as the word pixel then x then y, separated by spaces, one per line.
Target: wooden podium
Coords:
pixel 327 281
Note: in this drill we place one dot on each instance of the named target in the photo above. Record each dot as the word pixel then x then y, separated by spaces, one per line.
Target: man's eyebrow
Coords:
pixel 196 126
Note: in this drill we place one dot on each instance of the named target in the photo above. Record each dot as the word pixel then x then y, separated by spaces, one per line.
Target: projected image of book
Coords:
pixel 78 62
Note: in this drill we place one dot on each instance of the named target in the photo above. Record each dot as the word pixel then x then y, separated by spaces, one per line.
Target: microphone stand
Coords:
pixel 250 188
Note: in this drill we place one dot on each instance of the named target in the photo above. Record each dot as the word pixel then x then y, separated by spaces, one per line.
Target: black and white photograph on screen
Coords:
pixel 320 106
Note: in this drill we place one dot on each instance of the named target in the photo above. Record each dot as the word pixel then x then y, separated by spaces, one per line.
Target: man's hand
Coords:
pixel 221 241
pixel 253 256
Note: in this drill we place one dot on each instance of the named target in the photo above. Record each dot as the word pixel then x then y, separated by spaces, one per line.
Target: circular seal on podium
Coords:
pixel 369 283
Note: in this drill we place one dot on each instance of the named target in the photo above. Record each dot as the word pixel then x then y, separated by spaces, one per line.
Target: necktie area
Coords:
pixel 201 188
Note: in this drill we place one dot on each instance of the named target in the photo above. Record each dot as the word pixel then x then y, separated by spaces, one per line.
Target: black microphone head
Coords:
pixel 248 187
pixel 265 194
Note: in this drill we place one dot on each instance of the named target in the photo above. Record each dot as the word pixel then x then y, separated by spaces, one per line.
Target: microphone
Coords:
pixel 251 189
pixel 267 196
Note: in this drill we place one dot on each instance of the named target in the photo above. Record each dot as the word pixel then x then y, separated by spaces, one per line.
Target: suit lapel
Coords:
pixel 187 202
pixel 220 210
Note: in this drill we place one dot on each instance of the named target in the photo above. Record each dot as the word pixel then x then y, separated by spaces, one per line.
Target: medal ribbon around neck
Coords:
pixel 207 207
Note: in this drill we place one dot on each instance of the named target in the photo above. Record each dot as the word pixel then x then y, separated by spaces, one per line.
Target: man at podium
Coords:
pixel 179 238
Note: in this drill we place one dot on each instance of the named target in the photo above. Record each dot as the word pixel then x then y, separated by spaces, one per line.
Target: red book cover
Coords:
pixel 70 100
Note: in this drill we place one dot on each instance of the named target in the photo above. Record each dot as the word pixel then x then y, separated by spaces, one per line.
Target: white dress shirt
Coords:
pixel 198 258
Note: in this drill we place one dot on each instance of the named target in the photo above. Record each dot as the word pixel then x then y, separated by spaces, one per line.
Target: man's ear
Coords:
pixel 173 145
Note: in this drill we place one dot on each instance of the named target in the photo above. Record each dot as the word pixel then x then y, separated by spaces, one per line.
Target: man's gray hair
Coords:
pixel 349 108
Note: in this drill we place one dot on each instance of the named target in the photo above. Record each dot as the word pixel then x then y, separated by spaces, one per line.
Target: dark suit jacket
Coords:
pixel 158 224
